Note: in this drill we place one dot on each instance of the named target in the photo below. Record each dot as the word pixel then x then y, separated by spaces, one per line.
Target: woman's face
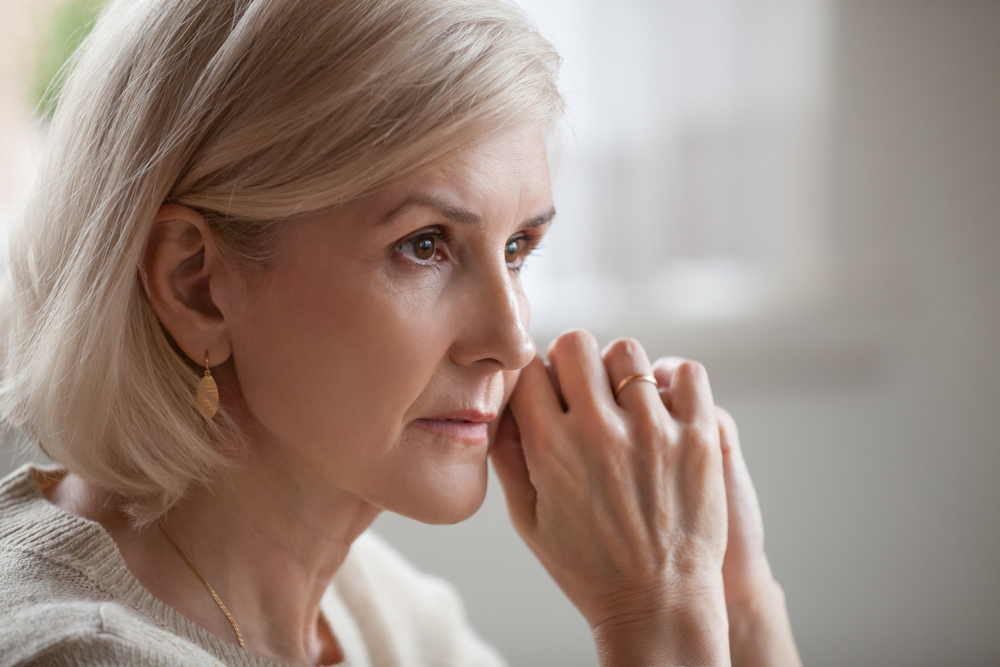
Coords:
pixel 380 349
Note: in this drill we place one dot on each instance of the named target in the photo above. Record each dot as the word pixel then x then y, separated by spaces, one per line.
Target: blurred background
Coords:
pixel 805 196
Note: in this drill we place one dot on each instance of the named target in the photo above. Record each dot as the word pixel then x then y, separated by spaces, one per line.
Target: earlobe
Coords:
pixel 180 269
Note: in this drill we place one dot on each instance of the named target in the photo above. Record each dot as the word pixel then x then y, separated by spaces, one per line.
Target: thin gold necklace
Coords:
pixel 232 621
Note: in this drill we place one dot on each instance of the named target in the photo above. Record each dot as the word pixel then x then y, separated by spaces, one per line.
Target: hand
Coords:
pixel 622 501
pixel 759 629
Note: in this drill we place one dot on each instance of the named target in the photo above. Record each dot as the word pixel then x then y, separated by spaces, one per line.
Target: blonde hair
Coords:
pixel 249 111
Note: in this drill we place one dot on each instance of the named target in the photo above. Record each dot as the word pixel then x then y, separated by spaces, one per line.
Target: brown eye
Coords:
pixel 425 247
pixel 511 252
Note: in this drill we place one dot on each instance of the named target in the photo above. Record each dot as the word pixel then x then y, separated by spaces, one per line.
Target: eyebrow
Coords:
pixel 456 213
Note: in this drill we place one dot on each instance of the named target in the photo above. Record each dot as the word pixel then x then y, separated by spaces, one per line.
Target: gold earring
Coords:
pixel 208 393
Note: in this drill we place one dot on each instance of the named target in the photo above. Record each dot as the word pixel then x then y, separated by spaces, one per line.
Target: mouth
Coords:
pixel 466 426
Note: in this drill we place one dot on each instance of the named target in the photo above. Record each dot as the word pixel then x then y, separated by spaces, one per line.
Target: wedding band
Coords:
pixel 634 378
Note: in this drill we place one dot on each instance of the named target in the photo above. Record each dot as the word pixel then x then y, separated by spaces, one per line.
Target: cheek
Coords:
pixel 335 360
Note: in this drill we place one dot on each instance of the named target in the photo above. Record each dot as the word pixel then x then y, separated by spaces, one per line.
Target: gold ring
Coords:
pixel 640 377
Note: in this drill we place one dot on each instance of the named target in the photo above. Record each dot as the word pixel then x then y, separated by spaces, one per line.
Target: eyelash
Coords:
pixel 533 241
pixel 532 238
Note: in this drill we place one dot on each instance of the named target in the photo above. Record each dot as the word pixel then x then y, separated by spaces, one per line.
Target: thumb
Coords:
pixel 512 470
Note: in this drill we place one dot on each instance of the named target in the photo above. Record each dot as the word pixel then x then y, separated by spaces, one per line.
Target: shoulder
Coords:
pixel 54 610
pixel 52 616
pixel 44 601
pixel 418 614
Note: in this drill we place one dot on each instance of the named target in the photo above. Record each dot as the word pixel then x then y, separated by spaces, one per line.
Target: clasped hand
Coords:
pixel 640 506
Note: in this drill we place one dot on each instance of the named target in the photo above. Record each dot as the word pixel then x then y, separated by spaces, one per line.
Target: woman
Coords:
pixel 266 287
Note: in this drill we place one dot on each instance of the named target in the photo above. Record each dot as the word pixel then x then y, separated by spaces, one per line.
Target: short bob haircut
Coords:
pixel 250 112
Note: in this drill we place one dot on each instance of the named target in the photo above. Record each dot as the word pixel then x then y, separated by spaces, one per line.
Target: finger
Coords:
pixel 624 358
pixel 691 395
pixel 745 566
pixel 554 379
pixel 728 435
pixel 740 493
pixel 576 360
pixel 512 471
pixel 663 371
pixel 534 402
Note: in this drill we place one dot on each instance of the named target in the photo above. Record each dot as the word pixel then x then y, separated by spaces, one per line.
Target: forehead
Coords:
pixel 505 174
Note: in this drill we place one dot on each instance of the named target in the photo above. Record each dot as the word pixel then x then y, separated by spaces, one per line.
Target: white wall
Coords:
pixel 870 412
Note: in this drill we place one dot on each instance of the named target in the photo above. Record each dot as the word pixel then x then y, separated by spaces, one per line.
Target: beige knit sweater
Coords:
pixel 67 598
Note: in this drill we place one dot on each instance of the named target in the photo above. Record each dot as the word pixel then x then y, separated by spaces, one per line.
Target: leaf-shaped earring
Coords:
pixel 208 393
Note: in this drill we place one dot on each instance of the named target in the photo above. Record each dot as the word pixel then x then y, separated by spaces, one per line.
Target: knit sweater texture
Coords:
pixel 68 599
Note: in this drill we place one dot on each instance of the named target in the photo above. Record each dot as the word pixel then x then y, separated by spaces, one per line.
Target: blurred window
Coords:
pixel 689 179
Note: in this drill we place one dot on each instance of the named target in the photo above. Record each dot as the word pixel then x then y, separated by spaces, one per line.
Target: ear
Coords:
pixel 180 267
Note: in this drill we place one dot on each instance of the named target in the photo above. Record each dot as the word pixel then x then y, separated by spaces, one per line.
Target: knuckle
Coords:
pixel 703 464
pixel 602 429
pixel 698 437
pixel 694 370
pixel 624 349
pixel 667 363
pixel 575 342
pixel 651 432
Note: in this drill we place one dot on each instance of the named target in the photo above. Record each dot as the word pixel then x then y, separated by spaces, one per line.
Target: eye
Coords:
pixel 516 252
pixel 426 248
pixel 512 250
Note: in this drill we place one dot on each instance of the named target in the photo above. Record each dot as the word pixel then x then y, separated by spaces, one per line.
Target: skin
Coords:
pixel 367 367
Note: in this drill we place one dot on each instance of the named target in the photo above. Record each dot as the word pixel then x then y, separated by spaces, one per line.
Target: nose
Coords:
pixel 494 326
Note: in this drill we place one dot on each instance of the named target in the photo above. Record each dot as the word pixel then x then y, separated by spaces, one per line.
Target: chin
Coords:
pixel 443 497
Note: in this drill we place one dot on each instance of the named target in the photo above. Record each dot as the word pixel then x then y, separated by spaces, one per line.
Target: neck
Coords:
pixel 268 538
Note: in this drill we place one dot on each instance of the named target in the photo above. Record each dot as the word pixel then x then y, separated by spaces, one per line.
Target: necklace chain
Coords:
pixel 194 568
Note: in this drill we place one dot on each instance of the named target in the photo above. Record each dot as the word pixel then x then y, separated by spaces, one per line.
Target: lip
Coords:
pixel 474 416
pixel 465 426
